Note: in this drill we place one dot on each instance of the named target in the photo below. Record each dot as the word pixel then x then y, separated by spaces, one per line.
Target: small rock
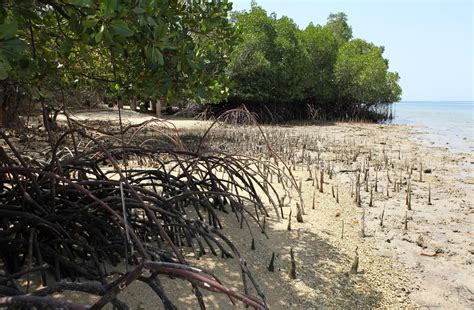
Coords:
pixel 427 170
pixel 420 241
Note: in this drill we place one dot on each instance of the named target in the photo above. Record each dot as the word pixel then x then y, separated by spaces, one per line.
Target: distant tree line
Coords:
pixel 322 72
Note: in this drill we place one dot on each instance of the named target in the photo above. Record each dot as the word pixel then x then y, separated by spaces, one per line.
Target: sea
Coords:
pixel 447 124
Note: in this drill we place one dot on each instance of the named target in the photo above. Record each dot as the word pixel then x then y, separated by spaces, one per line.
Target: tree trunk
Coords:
pixel 2 117
pixel 133 104
pixel 9 117
pixel 158 108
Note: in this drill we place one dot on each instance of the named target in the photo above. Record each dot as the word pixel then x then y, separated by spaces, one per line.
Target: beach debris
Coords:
pixel 429 254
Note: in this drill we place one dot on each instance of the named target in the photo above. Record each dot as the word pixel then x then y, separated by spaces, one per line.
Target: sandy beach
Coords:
pixel 429 264
pixel 236 154
pixel 422 257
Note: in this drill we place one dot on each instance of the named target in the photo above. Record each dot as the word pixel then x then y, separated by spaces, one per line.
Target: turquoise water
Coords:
pixel 444 123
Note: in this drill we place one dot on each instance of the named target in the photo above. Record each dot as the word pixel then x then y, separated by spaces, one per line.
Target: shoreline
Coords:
pixel 442 123
pixel 421 134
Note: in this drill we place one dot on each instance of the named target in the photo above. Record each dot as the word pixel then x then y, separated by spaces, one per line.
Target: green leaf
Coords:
pixel 66 47
pixel 83 3
pixel 108 6
pixel 42 95
pixel 121 28
pixel 151 21
pixel 159 55
pixel 114 87
pixel 8 30
pixel 99 35
pixel 138 10
pixel 159 32
pixel 4 67
pixel 90 22
pixel 117 50
pixel 107 37
pixel 12 48
pixel 154 54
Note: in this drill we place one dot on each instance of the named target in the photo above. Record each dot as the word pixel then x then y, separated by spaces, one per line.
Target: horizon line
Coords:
pixel 434 101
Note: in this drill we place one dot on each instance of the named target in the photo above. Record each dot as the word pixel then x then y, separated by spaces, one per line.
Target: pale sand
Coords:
pixel 392 272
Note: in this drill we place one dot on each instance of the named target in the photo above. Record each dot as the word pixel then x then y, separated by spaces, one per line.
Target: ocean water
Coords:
pixel 444 123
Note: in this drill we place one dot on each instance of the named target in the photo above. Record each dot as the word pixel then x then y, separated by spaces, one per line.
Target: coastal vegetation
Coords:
pixel 98 207
pixel 111 50
pixel 159 53
pixel 282 72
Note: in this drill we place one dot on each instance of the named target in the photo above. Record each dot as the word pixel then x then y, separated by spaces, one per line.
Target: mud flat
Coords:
pixel 402 207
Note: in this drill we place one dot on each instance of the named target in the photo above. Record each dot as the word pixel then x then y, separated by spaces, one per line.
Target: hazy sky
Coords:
pixel 428 42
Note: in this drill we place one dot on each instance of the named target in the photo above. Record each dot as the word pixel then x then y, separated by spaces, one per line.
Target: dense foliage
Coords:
pixel 318 72
pixel 166 49
pixel 178 51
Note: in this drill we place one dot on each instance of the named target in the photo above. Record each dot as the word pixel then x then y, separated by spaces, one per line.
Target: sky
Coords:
pixel 428 42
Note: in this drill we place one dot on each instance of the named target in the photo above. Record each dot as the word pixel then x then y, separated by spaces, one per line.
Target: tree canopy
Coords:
pixel 160 49
pixel 276 64
pixel 179 50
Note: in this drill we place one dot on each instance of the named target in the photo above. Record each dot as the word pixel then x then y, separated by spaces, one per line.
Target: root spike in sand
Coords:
pixel 292 269
pixel 321 181
pixel 342 229
pixel 299 214
pixel 289 221
pixel 355 263
pixel 429 195
pixel 271 266
pixel 381 217
pixel 362 228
